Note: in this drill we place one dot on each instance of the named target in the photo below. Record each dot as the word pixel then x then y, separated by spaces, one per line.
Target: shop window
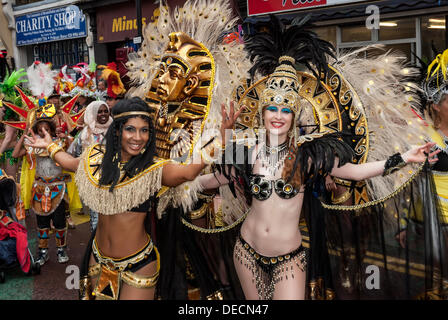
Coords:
pixel 408 49
pixel 353 33
pixel 433 37
pixel 397 29
pixel 326 33
pixel 21 2
pixel 59 53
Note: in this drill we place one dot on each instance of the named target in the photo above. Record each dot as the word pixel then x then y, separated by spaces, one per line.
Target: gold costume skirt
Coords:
pixel 110 273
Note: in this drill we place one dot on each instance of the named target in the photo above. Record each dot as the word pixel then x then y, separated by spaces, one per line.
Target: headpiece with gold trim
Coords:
pixel 276 51
pixel 371 101
pixel 33 113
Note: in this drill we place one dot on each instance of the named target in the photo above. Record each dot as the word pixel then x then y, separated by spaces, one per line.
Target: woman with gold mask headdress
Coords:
pixel 119 180
pixel 269 255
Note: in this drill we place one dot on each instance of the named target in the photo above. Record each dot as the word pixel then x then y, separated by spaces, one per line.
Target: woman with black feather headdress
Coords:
pixel 269 257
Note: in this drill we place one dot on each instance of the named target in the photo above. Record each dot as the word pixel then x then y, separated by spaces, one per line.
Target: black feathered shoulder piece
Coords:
pixel 236 165
pixel 273 39
pixel 316 155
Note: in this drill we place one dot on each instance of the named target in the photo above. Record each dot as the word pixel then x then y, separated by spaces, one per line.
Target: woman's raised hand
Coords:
pixel 36 141
pixel 228 120
pixel 419 154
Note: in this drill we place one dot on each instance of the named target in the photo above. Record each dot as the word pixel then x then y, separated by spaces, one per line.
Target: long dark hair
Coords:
pixel 110 170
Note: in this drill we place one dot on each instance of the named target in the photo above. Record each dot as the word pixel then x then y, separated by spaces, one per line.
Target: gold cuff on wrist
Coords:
pixel 53 148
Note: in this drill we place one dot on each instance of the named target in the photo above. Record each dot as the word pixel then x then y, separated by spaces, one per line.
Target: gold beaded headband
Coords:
pixel 132 113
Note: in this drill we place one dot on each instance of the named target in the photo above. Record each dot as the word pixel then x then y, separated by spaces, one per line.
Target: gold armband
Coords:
pixel 53 148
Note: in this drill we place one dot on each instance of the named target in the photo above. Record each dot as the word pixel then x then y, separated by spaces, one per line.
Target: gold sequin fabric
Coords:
pixel 110 273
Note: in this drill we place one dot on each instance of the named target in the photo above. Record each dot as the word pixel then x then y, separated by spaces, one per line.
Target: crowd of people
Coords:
pixel 269 168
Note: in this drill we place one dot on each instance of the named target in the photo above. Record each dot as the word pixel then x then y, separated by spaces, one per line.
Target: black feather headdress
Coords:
pixel 273 39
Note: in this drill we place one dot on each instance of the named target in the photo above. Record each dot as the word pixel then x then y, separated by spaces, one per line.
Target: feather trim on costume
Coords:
pixel 205 21
pixel 388 99
pixel 184 195
pixel 317 152
pixel 126 195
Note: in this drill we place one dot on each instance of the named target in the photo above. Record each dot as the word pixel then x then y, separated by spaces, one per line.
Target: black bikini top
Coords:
pixel 143 207
pixel 261 189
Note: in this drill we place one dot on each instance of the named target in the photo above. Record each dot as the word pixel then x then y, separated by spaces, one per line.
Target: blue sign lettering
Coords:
pixel 52 25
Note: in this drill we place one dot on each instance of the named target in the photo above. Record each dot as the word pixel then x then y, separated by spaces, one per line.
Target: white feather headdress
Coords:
pixel 205 21
pixel 41 79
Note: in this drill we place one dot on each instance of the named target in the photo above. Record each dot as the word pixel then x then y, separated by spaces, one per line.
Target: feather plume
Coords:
pixel 265 48
pixel 41 79
pixel 388 97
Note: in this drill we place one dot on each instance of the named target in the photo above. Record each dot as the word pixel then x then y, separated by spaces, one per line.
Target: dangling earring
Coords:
pixel 115 158
pixel 142 151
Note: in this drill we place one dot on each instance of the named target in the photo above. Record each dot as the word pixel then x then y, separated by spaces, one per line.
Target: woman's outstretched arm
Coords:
pixel 364 171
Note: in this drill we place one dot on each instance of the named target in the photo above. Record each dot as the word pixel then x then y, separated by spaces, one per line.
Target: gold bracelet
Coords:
pixel 54 151
pixel 51 147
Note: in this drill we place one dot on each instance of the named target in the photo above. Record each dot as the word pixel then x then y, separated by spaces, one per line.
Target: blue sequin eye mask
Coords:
pixel 275 109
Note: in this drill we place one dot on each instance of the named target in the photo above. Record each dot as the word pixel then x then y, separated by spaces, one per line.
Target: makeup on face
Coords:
pixel 134 138
pixel 278 119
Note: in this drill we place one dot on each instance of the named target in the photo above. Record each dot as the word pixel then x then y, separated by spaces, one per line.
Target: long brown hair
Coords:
pixel 295 178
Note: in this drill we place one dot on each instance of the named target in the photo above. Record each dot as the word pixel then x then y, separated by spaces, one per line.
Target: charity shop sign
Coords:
pixel 50 25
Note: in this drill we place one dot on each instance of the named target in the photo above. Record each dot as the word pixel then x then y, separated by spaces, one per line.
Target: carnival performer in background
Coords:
pixel 114 90
pixel 49 191
pixel 10 135
pixel 96 122
pixel 119 180
pixel 435 110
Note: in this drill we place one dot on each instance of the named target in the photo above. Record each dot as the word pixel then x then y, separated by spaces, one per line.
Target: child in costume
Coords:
pixel 49 198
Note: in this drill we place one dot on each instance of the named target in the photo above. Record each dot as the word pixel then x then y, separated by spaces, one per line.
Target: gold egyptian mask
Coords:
pixel 185 70
pixel 181 92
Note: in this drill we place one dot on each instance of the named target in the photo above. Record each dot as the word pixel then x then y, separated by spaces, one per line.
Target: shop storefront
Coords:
pixel 56 35
pixel 416 28
pixel 114 26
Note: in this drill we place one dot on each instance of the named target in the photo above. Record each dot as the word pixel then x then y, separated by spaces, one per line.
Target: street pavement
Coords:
pixel 51 283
